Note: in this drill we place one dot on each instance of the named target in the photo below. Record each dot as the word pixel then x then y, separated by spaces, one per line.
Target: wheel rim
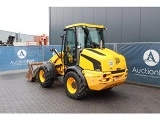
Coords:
pixel 71 85
pixel 41 76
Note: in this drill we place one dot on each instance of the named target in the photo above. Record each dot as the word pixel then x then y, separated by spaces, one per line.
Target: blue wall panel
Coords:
pixel 142 61
pixel 16 58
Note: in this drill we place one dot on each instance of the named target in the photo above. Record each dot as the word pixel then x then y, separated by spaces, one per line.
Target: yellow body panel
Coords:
pixel 87 64
pixel 97 81
pixel 111 68
pixel 109 61
pixel 58 63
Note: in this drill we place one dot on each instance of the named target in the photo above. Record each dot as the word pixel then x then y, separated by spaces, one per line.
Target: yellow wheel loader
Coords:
pixel 83 62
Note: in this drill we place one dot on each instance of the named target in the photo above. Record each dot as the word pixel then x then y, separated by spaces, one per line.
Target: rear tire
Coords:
pixel 44 77
pixel 74 86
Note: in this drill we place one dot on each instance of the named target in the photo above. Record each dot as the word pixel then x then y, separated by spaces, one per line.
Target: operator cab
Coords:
pixel 80 36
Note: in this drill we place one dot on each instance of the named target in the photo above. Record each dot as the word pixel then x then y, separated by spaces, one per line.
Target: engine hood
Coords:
pixel 101 60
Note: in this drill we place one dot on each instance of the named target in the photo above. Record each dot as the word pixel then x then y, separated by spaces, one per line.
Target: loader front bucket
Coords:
pixel 32 71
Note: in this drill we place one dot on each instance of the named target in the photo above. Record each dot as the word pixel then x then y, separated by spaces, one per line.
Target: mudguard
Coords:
pixel 78 70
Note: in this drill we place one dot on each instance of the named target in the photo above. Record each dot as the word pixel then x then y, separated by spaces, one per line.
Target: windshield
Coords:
pixel 89 37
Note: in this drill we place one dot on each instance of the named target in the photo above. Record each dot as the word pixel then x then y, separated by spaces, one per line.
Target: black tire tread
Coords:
pixel 48 80
pixel 82 92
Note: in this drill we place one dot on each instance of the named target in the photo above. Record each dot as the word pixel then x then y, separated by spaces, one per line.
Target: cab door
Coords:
pixel 70 47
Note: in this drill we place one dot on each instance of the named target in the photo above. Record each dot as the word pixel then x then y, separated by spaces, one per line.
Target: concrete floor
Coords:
pixel 17 95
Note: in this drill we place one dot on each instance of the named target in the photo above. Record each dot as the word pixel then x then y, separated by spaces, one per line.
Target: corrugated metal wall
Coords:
pixel 125 24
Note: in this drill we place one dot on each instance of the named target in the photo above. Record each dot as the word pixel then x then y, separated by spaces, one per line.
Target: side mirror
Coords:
pixel 106 28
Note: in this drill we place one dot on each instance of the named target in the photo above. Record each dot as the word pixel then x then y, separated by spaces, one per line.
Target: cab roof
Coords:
pixel 85 24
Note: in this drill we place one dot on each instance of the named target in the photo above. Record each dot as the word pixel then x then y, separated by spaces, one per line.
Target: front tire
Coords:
pixel 74 86
pixel 44 77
